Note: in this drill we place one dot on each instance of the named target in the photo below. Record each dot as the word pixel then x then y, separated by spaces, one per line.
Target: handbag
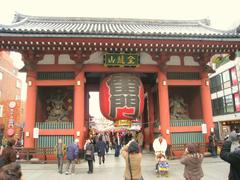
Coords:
pixel 88 152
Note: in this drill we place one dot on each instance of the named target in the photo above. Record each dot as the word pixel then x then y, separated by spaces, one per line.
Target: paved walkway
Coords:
pixel 214 169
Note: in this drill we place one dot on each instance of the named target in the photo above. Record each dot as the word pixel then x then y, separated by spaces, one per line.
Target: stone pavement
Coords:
pixel 214 169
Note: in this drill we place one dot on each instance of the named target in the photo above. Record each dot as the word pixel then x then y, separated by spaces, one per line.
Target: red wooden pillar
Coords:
pixel 86 118
pixel 206 103
pixel 164 106
pixel 30 109
pixel 151 116
pixel 79 107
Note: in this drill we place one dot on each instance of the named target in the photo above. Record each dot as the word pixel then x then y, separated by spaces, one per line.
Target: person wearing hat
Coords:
pixel 72 155
pixel 133 157
pixel 192 160
pixel 231 154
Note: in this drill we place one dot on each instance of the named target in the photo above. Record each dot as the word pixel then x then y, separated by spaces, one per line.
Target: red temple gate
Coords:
pixel 70 58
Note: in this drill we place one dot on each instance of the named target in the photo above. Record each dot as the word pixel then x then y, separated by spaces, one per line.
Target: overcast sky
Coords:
pixel 224 14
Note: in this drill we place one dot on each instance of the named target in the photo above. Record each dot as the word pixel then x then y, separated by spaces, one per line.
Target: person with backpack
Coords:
pixel 89 155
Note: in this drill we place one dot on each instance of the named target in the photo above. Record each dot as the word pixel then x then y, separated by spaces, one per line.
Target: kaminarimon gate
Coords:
pixel 66 58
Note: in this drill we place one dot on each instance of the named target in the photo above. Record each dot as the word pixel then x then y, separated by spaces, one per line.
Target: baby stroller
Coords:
pixel 162 166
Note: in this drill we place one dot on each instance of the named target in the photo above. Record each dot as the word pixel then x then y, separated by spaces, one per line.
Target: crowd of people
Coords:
pixel 130 147
pixel 99 143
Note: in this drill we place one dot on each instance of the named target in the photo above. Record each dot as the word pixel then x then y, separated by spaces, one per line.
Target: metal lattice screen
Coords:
pixel 55 75
pixel 51 141
pixel 183 75
pixel 188 137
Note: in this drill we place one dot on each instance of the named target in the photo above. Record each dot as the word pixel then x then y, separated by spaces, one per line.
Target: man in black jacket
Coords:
pixel 232 157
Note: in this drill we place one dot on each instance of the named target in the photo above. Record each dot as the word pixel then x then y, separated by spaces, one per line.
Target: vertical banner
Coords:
pixel 237 101
pixel 35 133
pixel 234 76
pixel 204 128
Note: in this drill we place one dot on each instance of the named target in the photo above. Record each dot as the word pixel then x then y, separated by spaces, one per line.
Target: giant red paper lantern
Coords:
pixel 121 96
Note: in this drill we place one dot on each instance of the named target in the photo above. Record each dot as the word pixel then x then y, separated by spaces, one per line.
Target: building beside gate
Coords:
pixel 10 98
pixel 224 87
pixel 66 58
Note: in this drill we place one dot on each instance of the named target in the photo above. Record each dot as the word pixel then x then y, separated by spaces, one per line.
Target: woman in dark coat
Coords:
pixel 193 163
pixel 212 146
pixel 9 153
pixel 89 155
pixel 101 148
pixel 233 158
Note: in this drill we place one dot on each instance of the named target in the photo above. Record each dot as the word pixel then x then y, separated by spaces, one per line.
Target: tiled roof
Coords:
pixel 106 27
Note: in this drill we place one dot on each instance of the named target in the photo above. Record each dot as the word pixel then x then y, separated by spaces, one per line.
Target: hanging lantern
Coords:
pixel 121 97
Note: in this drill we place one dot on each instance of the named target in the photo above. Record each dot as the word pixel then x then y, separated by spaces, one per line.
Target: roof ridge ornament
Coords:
pixel 238 30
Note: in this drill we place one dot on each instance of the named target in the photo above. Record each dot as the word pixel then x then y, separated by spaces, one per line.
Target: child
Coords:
pixel 163 165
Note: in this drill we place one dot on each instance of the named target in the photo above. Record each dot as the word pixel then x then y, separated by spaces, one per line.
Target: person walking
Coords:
pixel 117 144
pixel 107 138
pixel 212 146
pixel 101 148
pixel 192 160
pixel 159 147
pixel 72 155
pixel 133 158
pixel 9 153
pixel 89 155
pixel 60 151
pixel 233 158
